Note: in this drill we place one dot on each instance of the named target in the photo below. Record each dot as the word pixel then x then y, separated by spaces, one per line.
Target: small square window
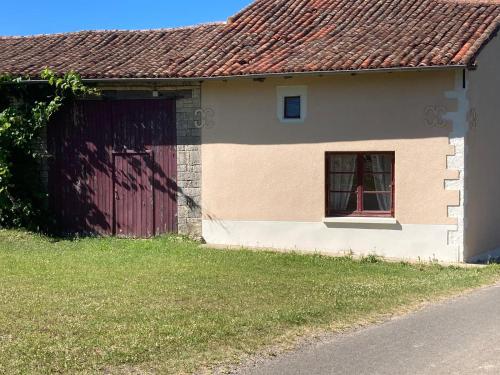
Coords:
pixel 291 104
pixel 292 107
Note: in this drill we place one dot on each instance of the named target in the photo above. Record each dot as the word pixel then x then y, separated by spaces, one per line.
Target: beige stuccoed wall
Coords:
pixel 482 183
pixel 256 168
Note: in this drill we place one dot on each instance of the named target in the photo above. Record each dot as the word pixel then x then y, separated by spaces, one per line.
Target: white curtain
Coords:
pixel 382 163
pixel 343 182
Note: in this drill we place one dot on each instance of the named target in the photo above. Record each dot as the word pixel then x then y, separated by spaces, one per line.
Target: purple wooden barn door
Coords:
pixel 148 127
pixel 133 187
pixel 102 147
pixel 81 170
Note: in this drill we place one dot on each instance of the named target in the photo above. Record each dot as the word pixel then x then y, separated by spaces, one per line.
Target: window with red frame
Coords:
pixel 360 184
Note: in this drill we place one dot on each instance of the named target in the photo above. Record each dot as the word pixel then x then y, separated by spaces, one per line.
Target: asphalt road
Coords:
pixel 461 336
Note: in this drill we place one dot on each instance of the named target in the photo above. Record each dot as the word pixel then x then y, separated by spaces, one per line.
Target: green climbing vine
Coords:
pixel 26 108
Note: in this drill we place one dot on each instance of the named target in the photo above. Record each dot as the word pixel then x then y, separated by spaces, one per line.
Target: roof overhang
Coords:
pixel 173 80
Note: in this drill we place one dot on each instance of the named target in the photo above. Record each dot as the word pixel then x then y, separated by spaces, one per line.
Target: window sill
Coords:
pixel 360 220
pixel 291 120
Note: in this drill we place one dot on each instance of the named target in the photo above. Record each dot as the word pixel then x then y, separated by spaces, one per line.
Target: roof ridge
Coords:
pixel 124 31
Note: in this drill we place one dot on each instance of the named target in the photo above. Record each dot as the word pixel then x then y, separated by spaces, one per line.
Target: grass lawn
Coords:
pixel 168 306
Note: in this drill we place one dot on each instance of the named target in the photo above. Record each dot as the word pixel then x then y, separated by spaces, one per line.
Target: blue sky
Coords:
pixel 27 17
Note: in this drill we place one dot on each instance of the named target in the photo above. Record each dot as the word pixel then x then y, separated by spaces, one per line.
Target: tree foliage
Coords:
pixel 26 108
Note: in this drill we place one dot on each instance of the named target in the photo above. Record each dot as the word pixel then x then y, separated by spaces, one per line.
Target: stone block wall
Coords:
pixel 189 164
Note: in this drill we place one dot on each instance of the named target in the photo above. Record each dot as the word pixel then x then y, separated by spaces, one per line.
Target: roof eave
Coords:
pixel 273 75
pixel 289 74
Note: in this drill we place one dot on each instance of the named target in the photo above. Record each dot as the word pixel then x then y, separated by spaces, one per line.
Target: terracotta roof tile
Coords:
pixel 272 36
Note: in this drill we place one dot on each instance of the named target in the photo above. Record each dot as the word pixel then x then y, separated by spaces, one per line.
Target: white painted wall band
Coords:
pixel 408 241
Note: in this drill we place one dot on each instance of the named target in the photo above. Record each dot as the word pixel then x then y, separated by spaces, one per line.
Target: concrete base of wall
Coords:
pixel 411 242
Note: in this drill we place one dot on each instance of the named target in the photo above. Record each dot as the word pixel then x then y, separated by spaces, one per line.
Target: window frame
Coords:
pixel 286 104
pixel 359 190
pixel 291 91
